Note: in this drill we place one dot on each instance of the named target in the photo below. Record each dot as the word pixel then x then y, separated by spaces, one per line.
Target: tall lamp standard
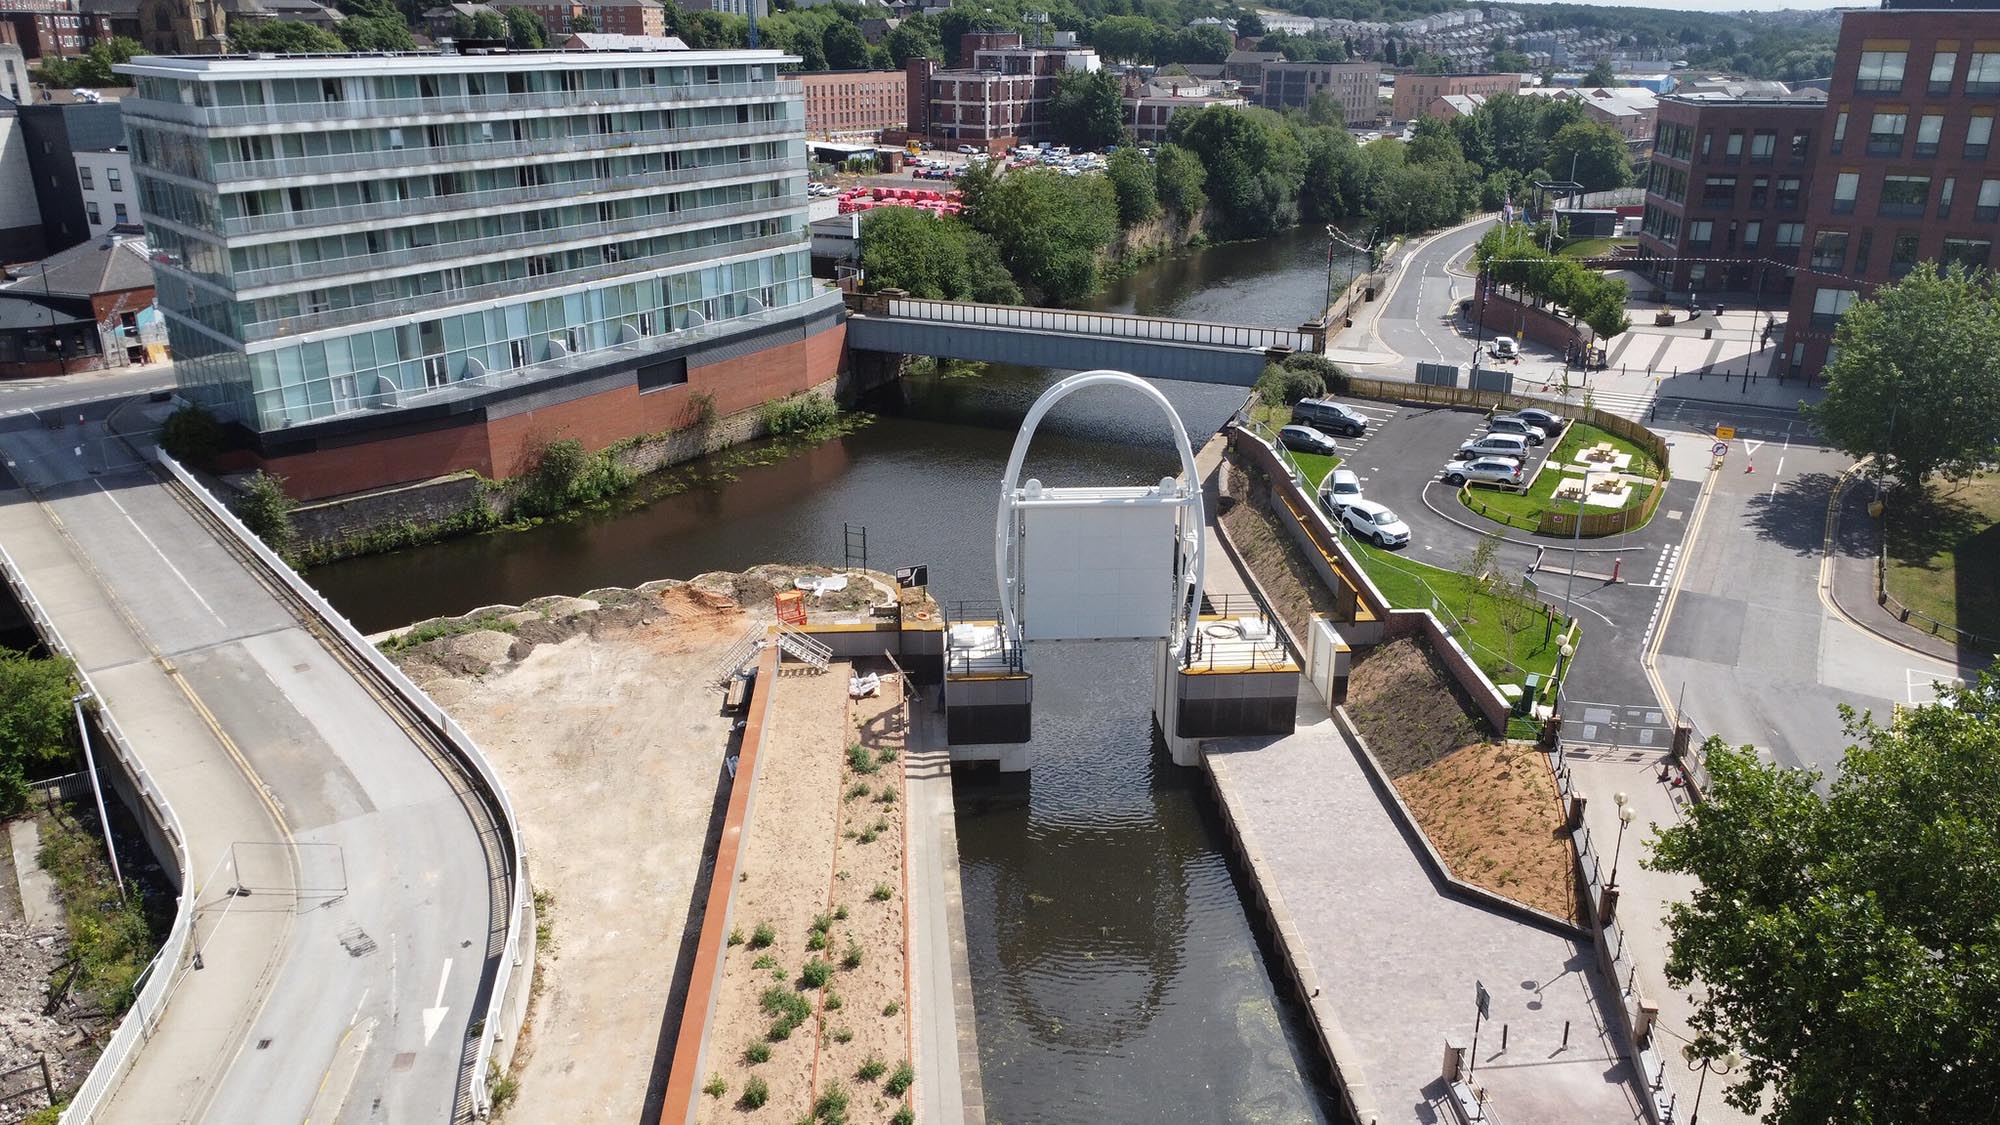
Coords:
pixel 1626 815
pixel 1729 1061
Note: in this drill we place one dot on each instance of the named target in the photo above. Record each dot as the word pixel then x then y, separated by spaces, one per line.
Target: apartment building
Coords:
pixel 1726 192
pixel 42 31
pixel 843 103
pixel 616 17
pixel 104 181
pixel 1151 104
pixel 1004 95
pixel 385 267
pixel 1355 87
pixel 55 131
pixel 1909 173
pixel 1416 92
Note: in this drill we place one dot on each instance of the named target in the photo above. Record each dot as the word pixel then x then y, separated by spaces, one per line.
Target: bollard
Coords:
pixel 1565 1045
pixel 1503 1038
pixel 1615 564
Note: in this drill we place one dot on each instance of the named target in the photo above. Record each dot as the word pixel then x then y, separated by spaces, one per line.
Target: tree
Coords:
pixel 1205 44
pixel 525 31
pixel 939 257
pixel 1126 38
pixel 1591 154
pixel 285 37
pixel 92 69
pixel 1086 110
pixel 1849 940
pixel 1132 178
pixel 1255 166
pixel 1322 110
pixel 489 25
pixel 1050 229
pixel 35 721
pixel 1600 74
pixel 845 48
pixel 582 24
pixel 1249 25
pixel 1179 176
pixel 916 37
pixel 375 33
pixel 192 435
pixel 267 511
pixel 1913 383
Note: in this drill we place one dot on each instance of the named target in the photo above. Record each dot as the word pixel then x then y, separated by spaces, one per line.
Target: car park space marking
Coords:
pixel 1920 685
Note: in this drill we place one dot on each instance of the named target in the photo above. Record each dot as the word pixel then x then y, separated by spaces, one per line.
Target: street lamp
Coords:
pixel 1626 815
pixel 1729 1061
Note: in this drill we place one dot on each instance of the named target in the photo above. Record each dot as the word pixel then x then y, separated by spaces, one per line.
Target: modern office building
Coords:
pixel 1909 173
pixel 55 131
pixel 1355 87
pixel 386 267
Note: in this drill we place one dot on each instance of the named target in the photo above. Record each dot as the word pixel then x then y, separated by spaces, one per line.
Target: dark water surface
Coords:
pixel 1116 974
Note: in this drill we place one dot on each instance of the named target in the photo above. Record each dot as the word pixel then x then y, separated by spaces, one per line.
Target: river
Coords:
pixel 1115 972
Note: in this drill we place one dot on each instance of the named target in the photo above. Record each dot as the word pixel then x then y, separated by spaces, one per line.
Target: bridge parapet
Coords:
pixel 1115 325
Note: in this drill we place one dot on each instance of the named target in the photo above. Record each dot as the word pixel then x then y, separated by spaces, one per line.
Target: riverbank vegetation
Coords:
pixel 111 936
pixel 37 731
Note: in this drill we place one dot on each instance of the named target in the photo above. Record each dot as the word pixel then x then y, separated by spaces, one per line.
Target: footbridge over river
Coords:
pixel 892 322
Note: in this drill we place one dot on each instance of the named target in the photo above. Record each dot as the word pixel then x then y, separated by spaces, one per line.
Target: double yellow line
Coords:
pixel 1649 660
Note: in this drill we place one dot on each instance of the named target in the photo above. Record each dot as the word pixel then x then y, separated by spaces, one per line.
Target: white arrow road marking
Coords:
pixel 434 1015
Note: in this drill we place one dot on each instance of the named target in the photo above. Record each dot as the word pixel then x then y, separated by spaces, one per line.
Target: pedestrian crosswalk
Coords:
pixel 1632 406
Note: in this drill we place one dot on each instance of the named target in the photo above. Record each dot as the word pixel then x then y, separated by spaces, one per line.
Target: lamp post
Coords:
pixel 1626 815
pixel 1729 1061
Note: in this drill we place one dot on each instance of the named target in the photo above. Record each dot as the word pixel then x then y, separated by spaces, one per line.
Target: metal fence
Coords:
pixel 494 1022
pixel 1114 325
pixel 156 981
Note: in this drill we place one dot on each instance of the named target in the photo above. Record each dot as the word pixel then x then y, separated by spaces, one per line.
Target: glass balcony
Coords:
pixel 501 104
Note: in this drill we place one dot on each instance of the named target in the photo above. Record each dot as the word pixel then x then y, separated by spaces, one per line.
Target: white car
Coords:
pixel 967 150
pixel 1375 523
pixel 1505 348
pixel 1340 489
pixel 1492 470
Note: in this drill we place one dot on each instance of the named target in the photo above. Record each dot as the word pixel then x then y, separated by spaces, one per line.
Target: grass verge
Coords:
pixel 1315 466
pixel 1524 509
pixel 1507 634
pixel 1944 553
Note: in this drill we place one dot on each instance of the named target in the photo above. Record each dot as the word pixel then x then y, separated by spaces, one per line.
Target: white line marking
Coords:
pixel 157 551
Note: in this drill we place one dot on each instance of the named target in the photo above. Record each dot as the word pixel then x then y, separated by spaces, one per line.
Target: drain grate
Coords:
pixel 356 942
pixel 263 1044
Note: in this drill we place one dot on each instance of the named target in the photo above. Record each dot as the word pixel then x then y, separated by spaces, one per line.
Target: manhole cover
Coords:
pixel 404 1061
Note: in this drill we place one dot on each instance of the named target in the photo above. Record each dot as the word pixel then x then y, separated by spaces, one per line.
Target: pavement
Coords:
pixel 343 913
pixel 948 1088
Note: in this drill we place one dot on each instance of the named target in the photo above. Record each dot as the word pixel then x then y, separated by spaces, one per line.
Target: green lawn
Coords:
pixel 1315 466
pixel 1594 247
pixel 1479 620
pixel 1524 509
pixel 1944 554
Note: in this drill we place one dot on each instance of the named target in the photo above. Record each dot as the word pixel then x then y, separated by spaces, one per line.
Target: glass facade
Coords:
pixel 346 234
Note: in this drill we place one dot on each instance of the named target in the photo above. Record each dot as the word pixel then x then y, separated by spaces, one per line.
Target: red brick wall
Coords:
pixel 1508 317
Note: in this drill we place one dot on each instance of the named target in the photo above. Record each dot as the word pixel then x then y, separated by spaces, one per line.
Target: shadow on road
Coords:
pixel 1794 514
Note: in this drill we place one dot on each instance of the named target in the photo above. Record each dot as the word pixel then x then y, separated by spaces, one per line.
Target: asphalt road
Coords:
pixel 1419 319
pixel 94 393
pixel 381 869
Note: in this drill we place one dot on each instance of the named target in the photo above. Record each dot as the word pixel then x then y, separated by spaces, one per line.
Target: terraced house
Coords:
pixel 391 266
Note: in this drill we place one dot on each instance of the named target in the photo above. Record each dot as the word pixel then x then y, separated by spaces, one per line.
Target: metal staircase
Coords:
pixel 803 648
pixel 739 654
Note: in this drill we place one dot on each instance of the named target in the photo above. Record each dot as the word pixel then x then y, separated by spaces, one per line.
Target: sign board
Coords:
pixel 1724 433
pixel 1488 379
pixel 1438 374
pixel 1485 1001
pixel 909 576
pixel 1721 448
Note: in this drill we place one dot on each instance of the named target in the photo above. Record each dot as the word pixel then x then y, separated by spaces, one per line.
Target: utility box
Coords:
pixel 1531 690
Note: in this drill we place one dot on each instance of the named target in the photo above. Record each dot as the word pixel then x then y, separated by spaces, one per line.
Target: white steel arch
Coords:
pixel 1186 495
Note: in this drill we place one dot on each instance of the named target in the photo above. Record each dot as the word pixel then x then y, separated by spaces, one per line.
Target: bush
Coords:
pixel 736 936
pixel 892 1007
pixel 883 892
pixel 815 941
pixel 901 1080
pixel 1278 386
pixel 852 958
pixel 832 1101
pixel 833 1001
pixel 799 414
pixel 785 1004
pixel 755 1093
pixel 561 475
pixel 762 936
pixel 816 973
pixel 904 1115
pixel 1331 377
pixel 872 1068
pixel 267 511
pixel 192 436
pixel 36 721
pixel 715 1087
pixel 859 760
pixel 840 913
pixel 756 1053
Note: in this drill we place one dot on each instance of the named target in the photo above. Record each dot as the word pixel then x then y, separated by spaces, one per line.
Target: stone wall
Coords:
pixel 1506 316
pixel 422 503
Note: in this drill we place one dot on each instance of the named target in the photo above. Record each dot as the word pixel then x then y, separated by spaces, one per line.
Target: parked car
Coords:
pixel 1376 523
pixel 1518 426
pixel 1340 489
pixel 1330 417
pixel 968 150
pixel 1493 470
pixel 1305 439
pixel 1503 347
pixel 1496 445
pixel 1550 422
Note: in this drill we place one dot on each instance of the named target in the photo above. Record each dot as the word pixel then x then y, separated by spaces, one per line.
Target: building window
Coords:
pixel 436 372
pixel 1945 191
pixel 1972 253
pixel 1829 304
pixel 90 208
pixel 1942 64
pixel 1930 129
pixel 1861 252
pixel 1845 186
pixel 1760 190
pixel 1790 235
pixel 1700 234
pixel 1988 207
pixel 118 214
pixel 1905 195
pixel 112 177
pixel 1707 142
pixel 1788 193
pixel 1763 146
pixel 1829 252
pixel 1734 152
pixel 1978 135
pixel 1839 131
pixel 1983 76
pixel 517 352
pixel 1903 253
pixel 1801 144
pixel 1881 72
pixel 1751 231
pixel 1885 133
pixel 83 173
pixel 1718 191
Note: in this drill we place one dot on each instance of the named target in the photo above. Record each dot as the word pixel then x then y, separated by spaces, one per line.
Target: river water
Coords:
pixel 1115 972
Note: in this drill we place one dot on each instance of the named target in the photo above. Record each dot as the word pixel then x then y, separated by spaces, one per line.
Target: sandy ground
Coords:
pixel 611 747
pixel 817 845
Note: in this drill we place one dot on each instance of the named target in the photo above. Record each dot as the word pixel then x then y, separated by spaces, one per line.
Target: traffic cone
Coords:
pixel 1749 466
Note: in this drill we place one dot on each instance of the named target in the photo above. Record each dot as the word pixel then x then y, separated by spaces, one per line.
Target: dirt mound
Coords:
pixel 1408 707
pixel 1492 812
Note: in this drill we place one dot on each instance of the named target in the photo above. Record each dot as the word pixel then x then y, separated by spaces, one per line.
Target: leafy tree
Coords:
pixel 267 511
pixel 1418 196
pixel 938 257
pixel 489 25
pixel 1322 110
pixel 1179 177
pixel 92 69
pixel 1507 60
pixel 1336 183
pixel 282 37
pixel 1600 74
pixel 1050 229
pixel 525 31
pixel 1204 44
pixel 1849 939
pixel 582 24
pixel 375 33
pixel 1249 25
pixel 1913 383
pixel 1133 179
pixel 1283 386
pixel 1087 111
pixel 959 20
pixel 845 48
pixel 191 435
pixel 1127 38
pixel 916 37
pixel 1593 155
pixel 35 721
pixel 1255 166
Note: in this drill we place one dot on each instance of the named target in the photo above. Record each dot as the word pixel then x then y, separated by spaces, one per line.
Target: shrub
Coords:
pixel 842 1035
pixel 1331 377
pixel 904 1115
pixel 840 913
pixel 1278 386
pixel 755 1093
pixel 781 1030
pixel 815 941
pixel 858 789
pixel 872 1068
pixel 892 1007
pixel 766 961
pixel 832 1101
pixel 888 796
pixel 833 1001
pixel 883 892
pixel 756 1053
pixel 736 936
pixel 852 958
pixel 762 936
pixel 192 435
pixel 37 727
pixel 867 837
pixel 886 755
pixel 859 760
pixel 267 511
pixel 816 973
pixel 799 414
pixel 901 1079
pixel 715 1087
pixel 822 922
pixel 785 1004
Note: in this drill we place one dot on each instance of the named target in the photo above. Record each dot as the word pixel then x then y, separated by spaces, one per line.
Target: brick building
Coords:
pixel 849 102
pixel 1149 106
pixel 87 308
pixel 1004 95
pixel 1908 173
pixel 42 32
pixel 1355 87
pixel 616 17
pixel 1726 192
pixel 1416 92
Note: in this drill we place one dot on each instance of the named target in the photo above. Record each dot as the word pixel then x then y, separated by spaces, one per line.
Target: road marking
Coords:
pixel 1774 478
pixel 1656 634
pixel 157 551
pixel 434 1015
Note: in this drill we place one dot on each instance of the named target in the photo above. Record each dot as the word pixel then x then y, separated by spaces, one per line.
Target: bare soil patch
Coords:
pixel 1280 565
pixel 1492 812
pixel 1405 703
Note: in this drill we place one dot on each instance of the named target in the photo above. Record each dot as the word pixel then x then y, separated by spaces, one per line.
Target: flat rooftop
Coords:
pixel 232 67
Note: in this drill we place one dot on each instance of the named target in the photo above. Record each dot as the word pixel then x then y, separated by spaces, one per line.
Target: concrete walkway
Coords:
pixel 1397 956
pixel 948 1089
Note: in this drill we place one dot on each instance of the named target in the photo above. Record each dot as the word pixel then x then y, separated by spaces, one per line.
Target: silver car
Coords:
pixel 1492 470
